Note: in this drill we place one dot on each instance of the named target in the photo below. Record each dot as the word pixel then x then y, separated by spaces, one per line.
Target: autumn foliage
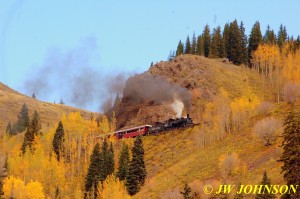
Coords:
pixel 281 67
pixel 268 130
pixel 112 188
pixel 16 188
pixel 231 165
pixel 39 174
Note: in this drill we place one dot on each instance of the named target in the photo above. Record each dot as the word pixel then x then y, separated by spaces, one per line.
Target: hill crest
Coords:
pixel 11 102
pixel 203 78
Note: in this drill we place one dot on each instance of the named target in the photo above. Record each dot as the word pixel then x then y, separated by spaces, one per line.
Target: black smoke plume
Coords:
pixel 72 77
pixel 155 88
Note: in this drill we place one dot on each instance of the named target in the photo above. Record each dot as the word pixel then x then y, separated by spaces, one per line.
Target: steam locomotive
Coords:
pixel 169 124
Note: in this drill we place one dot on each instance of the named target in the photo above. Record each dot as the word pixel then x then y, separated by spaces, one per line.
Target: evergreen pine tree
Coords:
pixel 269 37
pixel 33 96
pixel 291 146
pixel 32 130
pixel 217 45
pixel 118 100
pixel 58 140
pixel 23 119
pixel 199 46
pixel 104 154
pixel 123 163
pixel 255 39
pixel 226 38
pixel 61 102
pixel 35 124
pixel 186 193
pixel 234 52
pixel 187 48
pixel 14 130
pixel 244 54
pixel 171 55
pixel 137 170
pixel 297 43
pixel 206 40
pixel 28 140
pixel 180 49
pixel 94 171
pixel 8 129
pixel 265 195
pixel 194 45
pixel 110 160
pixel 282 36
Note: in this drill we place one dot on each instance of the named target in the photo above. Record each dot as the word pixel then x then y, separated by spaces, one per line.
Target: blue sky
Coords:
pixel 126 35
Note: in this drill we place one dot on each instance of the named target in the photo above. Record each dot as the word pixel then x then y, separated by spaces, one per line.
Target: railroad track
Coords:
pixel 172 129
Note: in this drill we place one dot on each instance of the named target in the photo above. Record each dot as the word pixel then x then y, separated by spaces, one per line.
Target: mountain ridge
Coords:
pixel 11 102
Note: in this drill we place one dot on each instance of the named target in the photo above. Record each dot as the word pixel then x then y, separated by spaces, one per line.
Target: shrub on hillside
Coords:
pixel 291 92
pixel 229 164
pixel 264 108
pixel 268 129
pixel 170 194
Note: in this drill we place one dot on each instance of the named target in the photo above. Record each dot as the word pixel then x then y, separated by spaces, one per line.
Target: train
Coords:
pixel 158 127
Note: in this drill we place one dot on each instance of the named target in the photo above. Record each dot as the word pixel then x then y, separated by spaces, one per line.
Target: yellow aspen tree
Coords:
pixel 297 66
pixel 112 188
pixel 104 125
pixel 74 126
pixel 14 188
pixel 291 69
pixel 113 122
pixel 266 59
pixel 230 164
pixel 89 138
pixel 209 122
pixel 243 108
pixel 223 112
pixel 34 190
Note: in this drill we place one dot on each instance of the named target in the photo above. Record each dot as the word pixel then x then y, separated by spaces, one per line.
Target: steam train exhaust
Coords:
pixel 177 107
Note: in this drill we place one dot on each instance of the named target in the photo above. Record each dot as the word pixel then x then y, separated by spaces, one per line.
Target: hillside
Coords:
pixel 202 77
pixel 175 158
pixel 11 102
pixel 226 100
pixel 193 155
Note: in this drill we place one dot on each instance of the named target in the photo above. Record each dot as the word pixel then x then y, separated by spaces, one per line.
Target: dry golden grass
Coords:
pixel 174 158
pixel 11 102
pixel 208 76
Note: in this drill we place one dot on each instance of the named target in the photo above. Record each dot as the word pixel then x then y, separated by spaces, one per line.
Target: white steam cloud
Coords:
pixel 177 107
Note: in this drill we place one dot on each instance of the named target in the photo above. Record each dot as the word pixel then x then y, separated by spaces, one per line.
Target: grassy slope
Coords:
pixel 178 160
pixel 210 75
pixel 174 158
pixel 12 101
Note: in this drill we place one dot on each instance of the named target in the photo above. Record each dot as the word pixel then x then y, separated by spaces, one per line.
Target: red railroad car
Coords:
pixel 132 132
